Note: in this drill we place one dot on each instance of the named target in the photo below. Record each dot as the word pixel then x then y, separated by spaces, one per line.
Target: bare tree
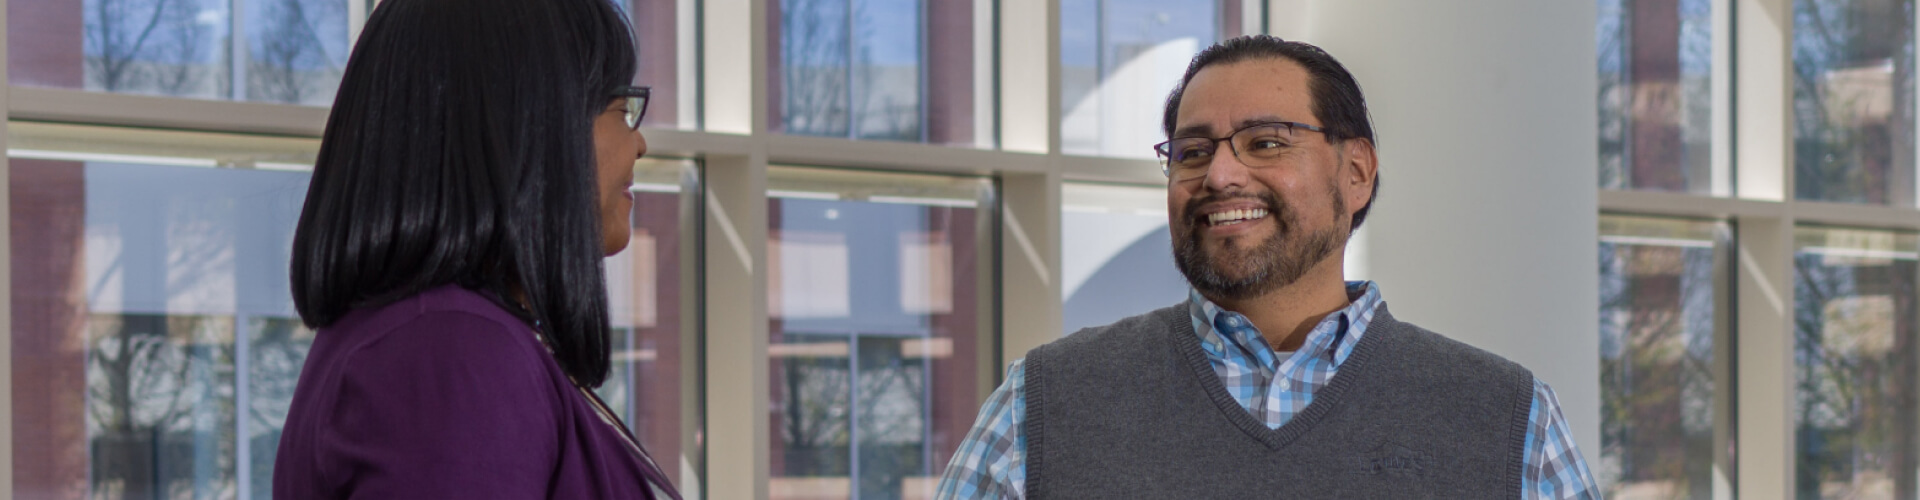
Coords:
pixel 813 53
pixel 119 30
pixel 160 46
pixel 1656 367
pixel 289 61
pixel 147 382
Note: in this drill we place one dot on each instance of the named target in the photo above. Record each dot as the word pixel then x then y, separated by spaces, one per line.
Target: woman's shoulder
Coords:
pixel 442 300
pixel 439 326
pixel 442 389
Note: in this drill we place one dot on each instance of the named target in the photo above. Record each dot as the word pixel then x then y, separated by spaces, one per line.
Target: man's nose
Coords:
pixel 1226 171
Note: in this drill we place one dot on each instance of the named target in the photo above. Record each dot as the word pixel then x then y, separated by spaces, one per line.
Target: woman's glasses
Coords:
pixel 636 103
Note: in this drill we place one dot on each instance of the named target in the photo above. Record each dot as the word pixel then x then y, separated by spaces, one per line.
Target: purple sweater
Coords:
pixel 446 395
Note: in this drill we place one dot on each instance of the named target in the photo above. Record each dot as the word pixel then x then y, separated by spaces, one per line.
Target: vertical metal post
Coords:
pixel 6 277
pixel 237 47
pixel 242 401
pixel 853 414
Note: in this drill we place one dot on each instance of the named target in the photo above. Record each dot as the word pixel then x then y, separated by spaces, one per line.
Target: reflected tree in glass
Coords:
pixel 851 68
pixel 1853 108
pixel 874 338
pixel 160 406
pixel 1657 358
pixel 279 349
pixel 1854 350
pixel 1655 99
pixel 297 50
pixel 814 57
pixel 166 47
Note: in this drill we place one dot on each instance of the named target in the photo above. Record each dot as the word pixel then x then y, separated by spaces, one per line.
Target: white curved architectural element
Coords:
pixel 1121 116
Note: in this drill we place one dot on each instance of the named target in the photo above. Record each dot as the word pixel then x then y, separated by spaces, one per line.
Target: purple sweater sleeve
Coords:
pixel 457 407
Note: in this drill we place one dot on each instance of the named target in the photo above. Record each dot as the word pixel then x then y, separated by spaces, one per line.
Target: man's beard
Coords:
pixel 1227 273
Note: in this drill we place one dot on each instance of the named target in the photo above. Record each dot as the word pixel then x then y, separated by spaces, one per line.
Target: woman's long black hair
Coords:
pixel 460 150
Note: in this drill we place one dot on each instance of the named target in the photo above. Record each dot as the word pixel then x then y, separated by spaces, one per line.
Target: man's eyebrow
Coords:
pixel 1206 130
pixel 1257 121
pixel 1198 130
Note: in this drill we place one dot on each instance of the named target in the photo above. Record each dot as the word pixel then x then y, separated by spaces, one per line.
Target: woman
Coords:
pixel 472 176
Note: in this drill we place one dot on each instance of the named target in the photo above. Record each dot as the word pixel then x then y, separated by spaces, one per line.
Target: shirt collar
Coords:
pixel 1335 335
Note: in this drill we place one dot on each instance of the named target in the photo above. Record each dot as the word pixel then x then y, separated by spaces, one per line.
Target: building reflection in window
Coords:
pixel 1855 408
pixel 877 331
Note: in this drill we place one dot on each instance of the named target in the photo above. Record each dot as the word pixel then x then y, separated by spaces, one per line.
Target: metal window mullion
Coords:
pixel 1721 82
pixel 6 272
pixel 853 414
pixel 853 127
pixel 237 47
pixel 242 400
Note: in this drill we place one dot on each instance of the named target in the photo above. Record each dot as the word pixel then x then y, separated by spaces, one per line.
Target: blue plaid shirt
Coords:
pixel 991 461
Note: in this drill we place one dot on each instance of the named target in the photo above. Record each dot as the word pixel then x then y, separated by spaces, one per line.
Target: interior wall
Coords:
pixel 1485 228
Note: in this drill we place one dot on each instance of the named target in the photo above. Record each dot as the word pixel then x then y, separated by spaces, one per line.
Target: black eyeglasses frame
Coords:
pixel 637 98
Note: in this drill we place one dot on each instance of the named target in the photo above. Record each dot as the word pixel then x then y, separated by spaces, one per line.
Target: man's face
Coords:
pixel 1240 232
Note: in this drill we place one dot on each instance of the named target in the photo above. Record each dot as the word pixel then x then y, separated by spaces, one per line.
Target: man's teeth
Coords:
pixel 1235 216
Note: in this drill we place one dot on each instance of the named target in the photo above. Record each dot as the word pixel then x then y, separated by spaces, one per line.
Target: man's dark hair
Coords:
pixel 1337 102
pixel 460 151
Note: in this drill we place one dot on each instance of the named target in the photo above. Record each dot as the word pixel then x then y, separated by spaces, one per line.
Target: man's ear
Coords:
pixel 1359 169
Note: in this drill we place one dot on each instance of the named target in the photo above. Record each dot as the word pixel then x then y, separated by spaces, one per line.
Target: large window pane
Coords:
pixel 900 70
pixel 1116 255
pixel 1118 61
pixel 1664 412
pixel 155 342
pixel 1854 353
pixel 667 60
pixel 651 386
pixel 1656 96
pixel 878 329
pixel 286 51
pixel 1853 101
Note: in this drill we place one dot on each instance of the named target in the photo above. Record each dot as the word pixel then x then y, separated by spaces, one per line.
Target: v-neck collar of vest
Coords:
pixel 1324 399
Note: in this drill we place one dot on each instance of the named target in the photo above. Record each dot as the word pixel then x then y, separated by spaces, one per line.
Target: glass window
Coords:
pixel 899 70
pixel 1854 352
pixel 1664 413
pixel 289 51
pixel 1853 108
pixel 1118 61
pixel 667 58
pixel 156 343
pixel 285 51
pixel 1116 254
pixel 1656 96
pixel 879 331
pixel 652 385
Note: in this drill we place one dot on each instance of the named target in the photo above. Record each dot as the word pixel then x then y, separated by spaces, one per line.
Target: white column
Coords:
pixel 1029 68
pixel 1030 208
pixel 736 303
pixel 1764 63
pixel 1485 229
pixel 1029 262
pixel 734 59
pixel 1765 357
pixel 1763 144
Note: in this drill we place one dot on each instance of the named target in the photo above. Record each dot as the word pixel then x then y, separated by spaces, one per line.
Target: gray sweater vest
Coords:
pixel 1135 410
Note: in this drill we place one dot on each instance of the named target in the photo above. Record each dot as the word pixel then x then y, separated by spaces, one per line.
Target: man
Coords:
pixel 1276 378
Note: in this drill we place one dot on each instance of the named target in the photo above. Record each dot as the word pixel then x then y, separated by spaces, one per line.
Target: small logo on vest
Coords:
pixel 1393 459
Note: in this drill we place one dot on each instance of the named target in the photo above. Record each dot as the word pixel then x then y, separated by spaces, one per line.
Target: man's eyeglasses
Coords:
pixel 636 108
pixel 1257 145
